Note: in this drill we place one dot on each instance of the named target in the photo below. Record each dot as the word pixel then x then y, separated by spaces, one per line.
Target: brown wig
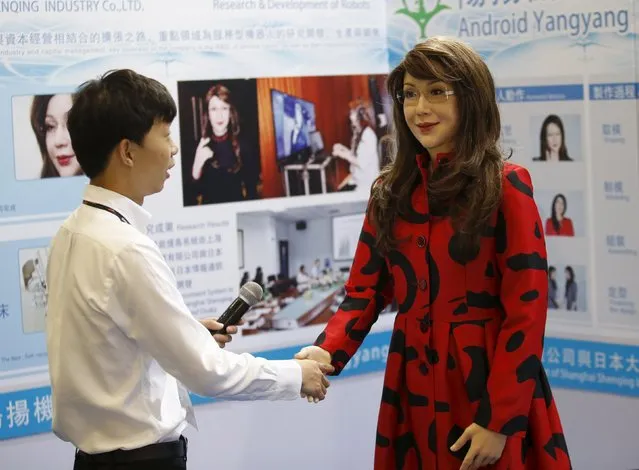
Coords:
pixel 468 187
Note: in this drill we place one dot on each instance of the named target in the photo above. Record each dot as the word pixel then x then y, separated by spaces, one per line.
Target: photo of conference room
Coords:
pixel 321 134
pixel 301 257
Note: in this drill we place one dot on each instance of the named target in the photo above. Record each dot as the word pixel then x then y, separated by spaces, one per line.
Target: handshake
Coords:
pixel 316 363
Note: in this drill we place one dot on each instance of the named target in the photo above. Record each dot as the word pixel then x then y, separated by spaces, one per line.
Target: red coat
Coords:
pixel 468 336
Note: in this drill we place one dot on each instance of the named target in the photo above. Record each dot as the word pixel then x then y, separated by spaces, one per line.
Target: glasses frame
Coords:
pixel 399 96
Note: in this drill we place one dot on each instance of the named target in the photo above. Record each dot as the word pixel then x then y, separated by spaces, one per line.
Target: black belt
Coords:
pixel 159 451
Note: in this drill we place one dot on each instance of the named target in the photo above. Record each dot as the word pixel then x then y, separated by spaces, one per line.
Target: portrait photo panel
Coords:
pixel 556 137
pixel 563 213
pixel 41 142
pixel 219 136
pixel 567 290
pixel 39 171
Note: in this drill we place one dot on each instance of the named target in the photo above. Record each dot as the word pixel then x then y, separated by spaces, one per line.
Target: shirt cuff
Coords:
pixel 289 379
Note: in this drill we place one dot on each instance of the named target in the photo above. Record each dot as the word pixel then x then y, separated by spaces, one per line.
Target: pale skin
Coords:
pixel 435 126
pixel 58 142
pixel 553 140
pixel 139 170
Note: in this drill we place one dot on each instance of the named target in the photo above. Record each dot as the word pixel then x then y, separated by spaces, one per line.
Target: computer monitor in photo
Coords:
pixel 293 121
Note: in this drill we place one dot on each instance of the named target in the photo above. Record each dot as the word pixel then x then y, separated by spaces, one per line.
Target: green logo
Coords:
pixel 421 16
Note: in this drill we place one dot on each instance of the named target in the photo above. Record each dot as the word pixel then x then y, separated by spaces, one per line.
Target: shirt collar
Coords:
pixel 133 212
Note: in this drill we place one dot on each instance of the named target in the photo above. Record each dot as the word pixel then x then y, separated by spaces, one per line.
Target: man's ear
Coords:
pixel 125 152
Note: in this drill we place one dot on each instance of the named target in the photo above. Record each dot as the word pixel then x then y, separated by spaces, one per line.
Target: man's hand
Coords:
pixel 314 353
pixel 486 447
pixel 314 381
pixel 212 325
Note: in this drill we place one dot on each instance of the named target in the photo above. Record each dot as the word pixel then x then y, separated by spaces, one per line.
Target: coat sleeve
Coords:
pixel 521 257
pixel 368 292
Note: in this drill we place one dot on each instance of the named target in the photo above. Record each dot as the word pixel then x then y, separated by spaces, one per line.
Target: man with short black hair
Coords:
pixel 120 338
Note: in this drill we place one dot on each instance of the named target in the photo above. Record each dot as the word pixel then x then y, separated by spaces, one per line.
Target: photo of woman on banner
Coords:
pixel 452 232
pixel 552 141
pixel 558 224
pixel 363 154
pixel 49 124
pixel 571 299
pixel 218 160
pixel 219 141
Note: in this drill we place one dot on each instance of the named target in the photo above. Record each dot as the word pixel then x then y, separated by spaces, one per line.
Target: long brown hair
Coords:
pixel 224 94
pixel 364 119
pixel 468 187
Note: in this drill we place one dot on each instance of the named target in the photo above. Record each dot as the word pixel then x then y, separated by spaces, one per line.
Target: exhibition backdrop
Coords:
pixel 281 78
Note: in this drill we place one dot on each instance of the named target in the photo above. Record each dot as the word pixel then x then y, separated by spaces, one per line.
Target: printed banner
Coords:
pixel 293 73
pixel 305 81
pixel 602 367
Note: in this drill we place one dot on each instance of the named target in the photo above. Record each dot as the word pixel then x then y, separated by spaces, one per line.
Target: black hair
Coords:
pixel 121 104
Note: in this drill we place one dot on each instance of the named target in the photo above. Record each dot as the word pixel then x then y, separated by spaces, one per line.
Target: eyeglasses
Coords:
pixel 434 95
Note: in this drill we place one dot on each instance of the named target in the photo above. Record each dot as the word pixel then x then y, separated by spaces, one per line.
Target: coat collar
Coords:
pixel 423 159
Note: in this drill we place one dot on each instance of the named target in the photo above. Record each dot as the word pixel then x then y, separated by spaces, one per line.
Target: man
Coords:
pixel 120 338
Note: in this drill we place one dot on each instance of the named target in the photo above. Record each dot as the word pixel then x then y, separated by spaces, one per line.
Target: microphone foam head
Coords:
pixel 251 293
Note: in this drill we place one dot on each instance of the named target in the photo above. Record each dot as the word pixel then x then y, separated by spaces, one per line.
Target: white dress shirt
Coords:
pixel 121 340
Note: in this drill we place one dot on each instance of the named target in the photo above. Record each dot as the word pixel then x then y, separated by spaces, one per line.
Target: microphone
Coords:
pixel 250 294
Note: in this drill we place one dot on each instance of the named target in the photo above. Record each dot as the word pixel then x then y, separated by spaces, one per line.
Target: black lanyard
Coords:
pixel 108 209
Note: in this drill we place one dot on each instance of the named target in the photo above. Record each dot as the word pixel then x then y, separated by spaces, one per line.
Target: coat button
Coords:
pixel 422 284
pixel 432 356
pixel 421 241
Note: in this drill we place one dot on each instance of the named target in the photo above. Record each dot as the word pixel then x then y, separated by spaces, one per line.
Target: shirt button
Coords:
pixel 422 284
pixel 421 241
